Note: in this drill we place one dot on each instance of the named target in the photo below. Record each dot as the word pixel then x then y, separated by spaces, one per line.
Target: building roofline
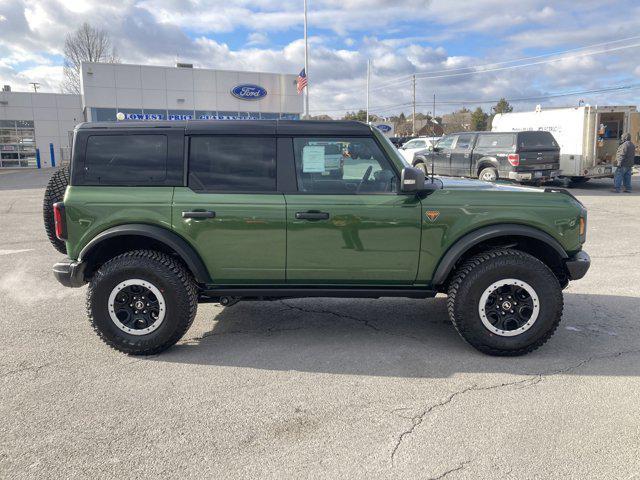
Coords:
pixel 184 68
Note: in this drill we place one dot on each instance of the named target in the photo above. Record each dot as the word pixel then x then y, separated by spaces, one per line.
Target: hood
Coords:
pixel 625 138
pixel 473 184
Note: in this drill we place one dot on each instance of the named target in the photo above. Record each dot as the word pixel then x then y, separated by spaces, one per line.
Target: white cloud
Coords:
pixel 257 38
pixel 156 31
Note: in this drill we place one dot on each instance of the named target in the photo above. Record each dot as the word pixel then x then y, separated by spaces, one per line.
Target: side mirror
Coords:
pixel 436 149
pixel 413 180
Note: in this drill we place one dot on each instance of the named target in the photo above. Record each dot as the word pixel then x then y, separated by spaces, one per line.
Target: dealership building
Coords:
pixel 36 128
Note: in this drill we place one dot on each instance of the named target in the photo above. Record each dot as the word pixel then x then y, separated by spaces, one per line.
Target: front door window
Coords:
pixel 343 166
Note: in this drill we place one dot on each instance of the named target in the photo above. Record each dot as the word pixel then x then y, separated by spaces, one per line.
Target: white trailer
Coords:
pixel 588 136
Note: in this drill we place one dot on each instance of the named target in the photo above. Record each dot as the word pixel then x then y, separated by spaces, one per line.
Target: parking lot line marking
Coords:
pixel 9 252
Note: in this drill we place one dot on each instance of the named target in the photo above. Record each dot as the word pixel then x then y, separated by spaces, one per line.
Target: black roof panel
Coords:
pixel 244 127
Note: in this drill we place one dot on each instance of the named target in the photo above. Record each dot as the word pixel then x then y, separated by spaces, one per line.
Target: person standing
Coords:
pixel 624 163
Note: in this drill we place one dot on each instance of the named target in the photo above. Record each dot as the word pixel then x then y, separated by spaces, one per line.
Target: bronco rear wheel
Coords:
pixel 142 302
pixel 505 302
pixel 54 193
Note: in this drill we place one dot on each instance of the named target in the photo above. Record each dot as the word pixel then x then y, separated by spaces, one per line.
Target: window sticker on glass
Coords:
pixel 313 159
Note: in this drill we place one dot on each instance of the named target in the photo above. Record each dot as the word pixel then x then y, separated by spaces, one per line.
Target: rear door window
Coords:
pixel 536 140
pixel 126 159
pixel 232 164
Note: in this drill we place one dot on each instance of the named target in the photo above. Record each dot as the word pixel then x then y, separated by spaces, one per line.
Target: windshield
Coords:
pixel 390 147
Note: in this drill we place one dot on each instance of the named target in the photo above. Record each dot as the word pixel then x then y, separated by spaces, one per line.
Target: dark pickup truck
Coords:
pixel 521 156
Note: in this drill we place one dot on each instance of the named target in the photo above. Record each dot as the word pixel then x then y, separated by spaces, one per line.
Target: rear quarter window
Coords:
pixel 536 140
pixel 126 159
pixel 505 140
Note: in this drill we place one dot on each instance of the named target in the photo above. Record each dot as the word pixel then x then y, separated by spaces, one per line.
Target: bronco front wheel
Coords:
pixel 505 302
pixel 142 302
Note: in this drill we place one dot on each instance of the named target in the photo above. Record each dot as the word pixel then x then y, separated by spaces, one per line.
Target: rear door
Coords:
pixel 349 226
pixel 231 211
pixel 538 151
pixel 461 155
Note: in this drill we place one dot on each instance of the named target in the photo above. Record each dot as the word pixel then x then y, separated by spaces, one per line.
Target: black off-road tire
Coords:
pixel 476 274
pixel 168 275
pixel 52 194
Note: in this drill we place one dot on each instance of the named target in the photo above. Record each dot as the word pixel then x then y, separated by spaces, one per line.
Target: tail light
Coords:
pixel 60 220
pixel 514 159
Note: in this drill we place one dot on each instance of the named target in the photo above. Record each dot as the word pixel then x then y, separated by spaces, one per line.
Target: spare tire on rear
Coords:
pixel 54 193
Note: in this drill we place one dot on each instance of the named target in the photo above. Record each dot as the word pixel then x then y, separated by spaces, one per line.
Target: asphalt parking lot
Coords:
pixel 321 388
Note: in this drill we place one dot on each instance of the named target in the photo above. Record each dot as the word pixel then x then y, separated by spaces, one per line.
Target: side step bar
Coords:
pixel 215 294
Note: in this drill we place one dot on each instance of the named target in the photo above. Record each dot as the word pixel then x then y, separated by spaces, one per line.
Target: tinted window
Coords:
pixel 342 166
pixel 536 140
pixel 126 159
pixel 496 141
pixel 446 142
pixel 240 164
pixel 464 141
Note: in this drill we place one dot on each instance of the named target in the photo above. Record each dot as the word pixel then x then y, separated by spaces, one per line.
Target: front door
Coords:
pixel 347 224
pixel 231 212
pixel 461 155
pixel 442 155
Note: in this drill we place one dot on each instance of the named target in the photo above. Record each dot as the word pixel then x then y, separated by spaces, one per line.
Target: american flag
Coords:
pixel 302 81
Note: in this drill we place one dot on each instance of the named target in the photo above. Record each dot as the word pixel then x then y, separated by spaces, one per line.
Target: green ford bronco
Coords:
pixel 157 217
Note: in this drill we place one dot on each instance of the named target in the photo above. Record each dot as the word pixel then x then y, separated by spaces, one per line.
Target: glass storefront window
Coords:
pixel 103 114
pixel 17 143
pixel 227 115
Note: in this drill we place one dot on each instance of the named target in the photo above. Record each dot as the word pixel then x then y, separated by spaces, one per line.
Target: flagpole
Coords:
pixel 306 63
pixel 368 80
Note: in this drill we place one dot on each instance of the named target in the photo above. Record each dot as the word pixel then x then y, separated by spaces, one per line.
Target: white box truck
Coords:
pixel 588 136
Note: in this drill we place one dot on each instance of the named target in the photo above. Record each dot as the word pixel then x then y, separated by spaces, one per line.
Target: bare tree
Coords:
pixel 86 44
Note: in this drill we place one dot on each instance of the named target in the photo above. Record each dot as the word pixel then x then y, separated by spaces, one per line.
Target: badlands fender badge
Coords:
pixel 432 215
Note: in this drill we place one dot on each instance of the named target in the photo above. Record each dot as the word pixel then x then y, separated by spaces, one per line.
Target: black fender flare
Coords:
pixel 464 243
pixel 185 251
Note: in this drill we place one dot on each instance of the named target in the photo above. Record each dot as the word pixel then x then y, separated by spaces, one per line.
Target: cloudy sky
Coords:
pixel 463 51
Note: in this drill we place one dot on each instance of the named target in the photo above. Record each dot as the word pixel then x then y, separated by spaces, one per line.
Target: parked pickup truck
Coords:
pixel 521 156
pixel 157 217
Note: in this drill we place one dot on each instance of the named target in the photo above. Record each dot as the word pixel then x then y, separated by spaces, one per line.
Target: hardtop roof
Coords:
pixel 241 127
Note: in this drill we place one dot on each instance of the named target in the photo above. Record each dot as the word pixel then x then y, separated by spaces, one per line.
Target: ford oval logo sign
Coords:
pixel 249 92
pixel 384 128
